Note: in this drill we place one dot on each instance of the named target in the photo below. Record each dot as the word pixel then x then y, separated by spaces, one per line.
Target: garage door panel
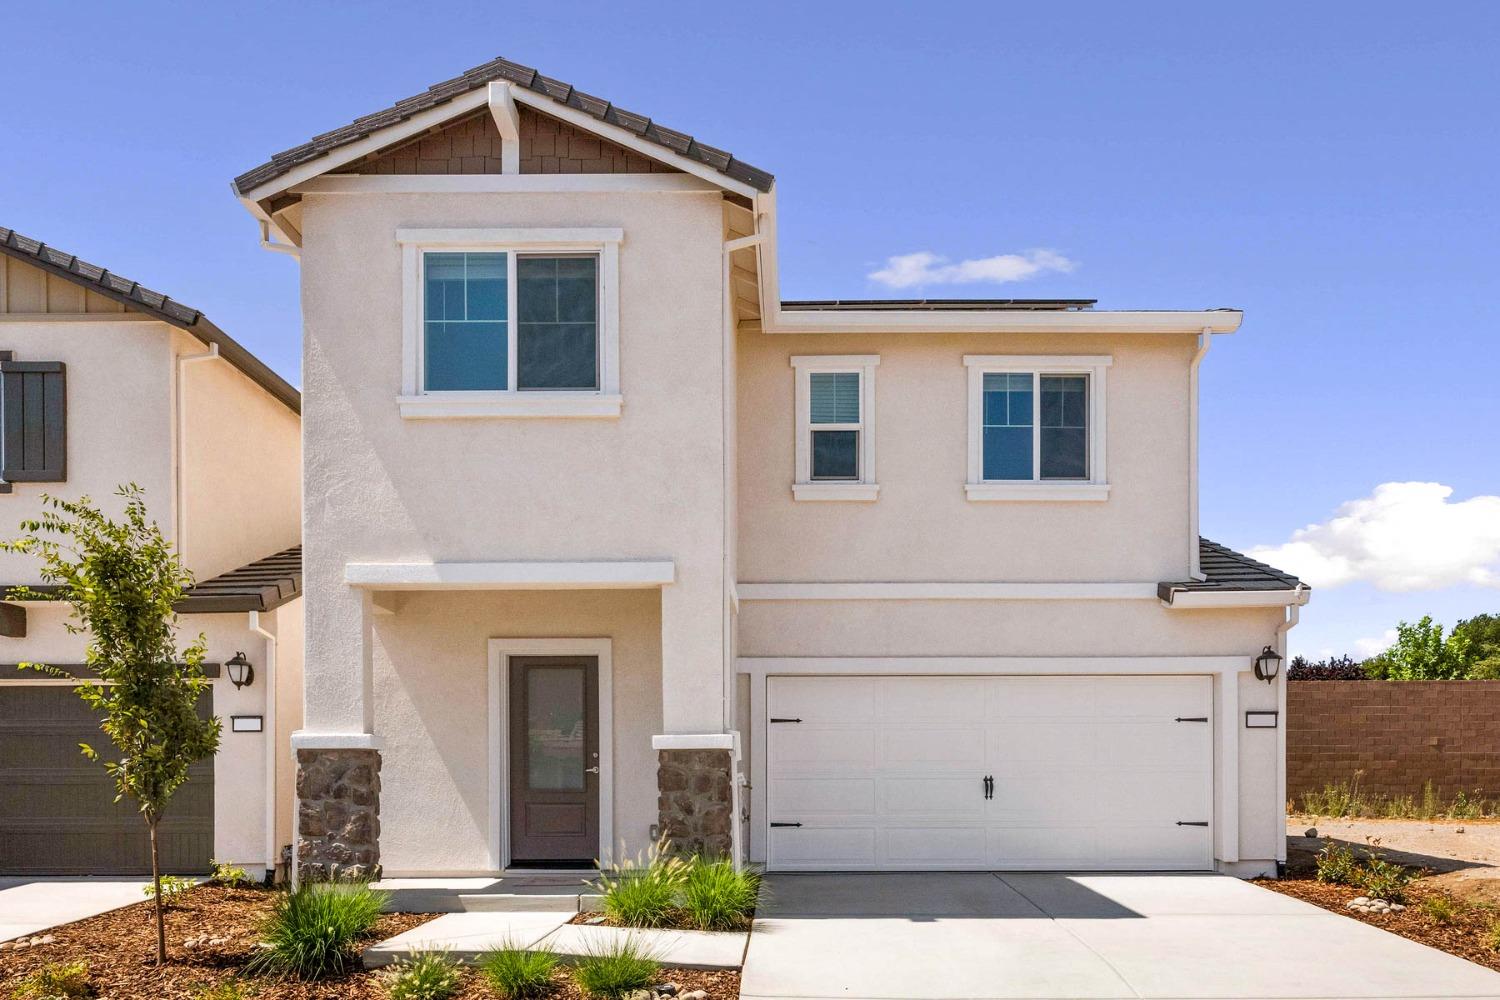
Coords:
pixel 925 747
pixel 815 700
pixel 1089 772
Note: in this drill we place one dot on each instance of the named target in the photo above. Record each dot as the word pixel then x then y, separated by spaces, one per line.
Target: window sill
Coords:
pixel 571 405
pixel 862 492
pixel 1094 492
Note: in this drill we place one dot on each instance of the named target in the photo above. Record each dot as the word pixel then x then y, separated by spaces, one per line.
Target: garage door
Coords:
pixel 57 809
pixel 963 773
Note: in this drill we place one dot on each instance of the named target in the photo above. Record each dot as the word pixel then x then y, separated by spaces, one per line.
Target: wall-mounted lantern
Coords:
pixel 1268 664
pixel 242 674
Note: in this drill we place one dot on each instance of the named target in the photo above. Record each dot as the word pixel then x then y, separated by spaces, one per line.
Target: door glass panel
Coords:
pixel 555 727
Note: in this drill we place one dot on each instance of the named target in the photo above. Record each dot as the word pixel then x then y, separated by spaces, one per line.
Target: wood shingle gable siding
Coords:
pixel 472 144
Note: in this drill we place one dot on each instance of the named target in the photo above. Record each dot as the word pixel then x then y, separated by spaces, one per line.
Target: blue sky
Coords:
pixel 1330 168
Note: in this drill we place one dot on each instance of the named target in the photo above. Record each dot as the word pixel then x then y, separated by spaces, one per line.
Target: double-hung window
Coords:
pixel 1036 428
pixel 835 446
pixel 511 323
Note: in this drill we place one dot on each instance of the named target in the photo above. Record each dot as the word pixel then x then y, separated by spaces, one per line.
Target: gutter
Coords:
pixel 253 622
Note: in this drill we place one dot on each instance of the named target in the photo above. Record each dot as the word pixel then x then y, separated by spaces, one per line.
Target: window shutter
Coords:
pixel 35 430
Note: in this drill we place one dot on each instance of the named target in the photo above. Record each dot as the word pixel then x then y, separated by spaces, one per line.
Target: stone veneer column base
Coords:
pixel 695 801
pixel 338 814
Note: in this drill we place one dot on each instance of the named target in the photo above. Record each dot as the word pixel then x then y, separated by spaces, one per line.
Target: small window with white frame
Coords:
pixel 1036 427
pixel 835 446
pixel 510 323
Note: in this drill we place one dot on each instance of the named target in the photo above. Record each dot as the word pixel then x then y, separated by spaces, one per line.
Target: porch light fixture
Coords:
pixel 1267 665
pixel 242 674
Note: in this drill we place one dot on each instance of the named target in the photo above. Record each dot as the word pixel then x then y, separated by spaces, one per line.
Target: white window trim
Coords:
pixel 865 489
pixel 605 402
pixel 1096 487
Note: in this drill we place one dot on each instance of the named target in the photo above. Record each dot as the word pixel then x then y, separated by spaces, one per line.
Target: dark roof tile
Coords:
pixel 524 76
pixel 259 586
pixel 1228 571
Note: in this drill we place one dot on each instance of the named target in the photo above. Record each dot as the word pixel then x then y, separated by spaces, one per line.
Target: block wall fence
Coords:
pixel 1399 734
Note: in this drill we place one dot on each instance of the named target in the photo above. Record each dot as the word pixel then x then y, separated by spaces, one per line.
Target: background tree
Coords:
pixel 1482 633
pixel 121 580
pixel 1421 653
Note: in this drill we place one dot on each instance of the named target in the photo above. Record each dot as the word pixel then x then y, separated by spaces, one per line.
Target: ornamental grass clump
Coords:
pixel 517 974
pixel 642 892
pixel 719 897
pixel 616 970
pixel 312 930
pixel 426 975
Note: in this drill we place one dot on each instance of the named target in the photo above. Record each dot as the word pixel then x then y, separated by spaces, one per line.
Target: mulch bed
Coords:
pixel 678 921
pixel 1467 935
pixel 120 948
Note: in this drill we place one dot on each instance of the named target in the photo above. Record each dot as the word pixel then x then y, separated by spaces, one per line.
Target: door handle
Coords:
pixel 591 770
pixel 989 786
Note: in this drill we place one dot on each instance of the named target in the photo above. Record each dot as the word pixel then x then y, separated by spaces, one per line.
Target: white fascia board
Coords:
pixel 506 184
pixel 1003 321
pixel 628 139
pixel 376 141
pixel 946 591
pixel 594 575
pixel 1199 599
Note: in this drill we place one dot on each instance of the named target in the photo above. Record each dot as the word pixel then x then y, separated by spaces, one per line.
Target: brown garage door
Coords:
pixel 57 809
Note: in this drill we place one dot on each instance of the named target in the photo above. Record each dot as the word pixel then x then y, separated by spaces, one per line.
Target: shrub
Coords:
pixel 643 892
pixel 717 896
pixel 1492 936
pixel 1337 864
pixel 56 981
pixel 616 970
pixel 517 974
pixel 1440 909
pixel 171 886
pixel 229 875
pixel 312 929
pixel 1383 879
pixel 427 975
pixel 230 989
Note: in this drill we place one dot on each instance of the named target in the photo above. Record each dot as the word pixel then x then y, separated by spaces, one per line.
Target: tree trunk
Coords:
pixel 161 926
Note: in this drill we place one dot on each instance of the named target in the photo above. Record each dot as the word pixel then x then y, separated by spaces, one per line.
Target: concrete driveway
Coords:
pixel 970 936
pixel 29 905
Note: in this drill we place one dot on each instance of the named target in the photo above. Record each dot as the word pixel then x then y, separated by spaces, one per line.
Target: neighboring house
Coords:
pixel 103 383
pixel 604 540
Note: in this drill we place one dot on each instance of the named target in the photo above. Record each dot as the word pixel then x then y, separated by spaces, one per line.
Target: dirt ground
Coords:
pixel 1463 855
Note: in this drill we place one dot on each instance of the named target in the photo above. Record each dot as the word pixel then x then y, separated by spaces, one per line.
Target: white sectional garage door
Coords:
pixel 1097 772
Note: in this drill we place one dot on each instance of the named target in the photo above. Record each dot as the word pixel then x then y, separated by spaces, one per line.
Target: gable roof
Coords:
pixel 1228 571
pixel 138 297
pixel 499 69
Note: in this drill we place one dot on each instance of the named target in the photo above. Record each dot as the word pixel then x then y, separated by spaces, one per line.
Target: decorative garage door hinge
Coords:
pixel 1189 822
pixel 774 825
pixel 1191 718
pixel 786 720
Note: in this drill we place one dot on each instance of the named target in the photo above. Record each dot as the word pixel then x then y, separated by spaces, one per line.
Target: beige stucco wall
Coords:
pixel 433 703
pixel 922 527
pixel 649 484
pixel 241 467
pixel 240 788
pixel 119 418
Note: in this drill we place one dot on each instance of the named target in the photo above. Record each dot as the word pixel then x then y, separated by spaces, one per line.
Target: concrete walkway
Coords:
pixel 29 905
pixel 982 936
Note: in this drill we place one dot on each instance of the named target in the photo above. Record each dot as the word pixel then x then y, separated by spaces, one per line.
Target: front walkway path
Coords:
pixel 29 905
pixel 981 936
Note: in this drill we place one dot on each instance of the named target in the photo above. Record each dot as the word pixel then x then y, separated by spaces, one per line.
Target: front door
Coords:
pixel 554 761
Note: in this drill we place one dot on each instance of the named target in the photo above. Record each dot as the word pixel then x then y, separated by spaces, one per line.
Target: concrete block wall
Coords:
pixel 1399 734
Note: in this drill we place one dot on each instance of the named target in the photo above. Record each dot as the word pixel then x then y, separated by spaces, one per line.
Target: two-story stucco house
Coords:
pixel 104 382
pixel 604 540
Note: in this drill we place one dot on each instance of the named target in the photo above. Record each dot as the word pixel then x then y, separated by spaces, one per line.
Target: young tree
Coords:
pixel 121 580
pixel 1421 653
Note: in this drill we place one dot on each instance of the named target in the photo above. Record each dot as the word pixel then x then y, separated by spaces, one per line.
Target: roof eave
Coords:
pixel 1173 596
pixel 1005 321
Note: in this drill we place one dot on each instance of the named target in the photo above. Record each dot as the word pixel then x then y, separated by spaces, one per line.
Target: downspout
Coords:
pixel 1205 340
pixel 266 243
pixel 1293 614
pixel 179 527
pixel 271 737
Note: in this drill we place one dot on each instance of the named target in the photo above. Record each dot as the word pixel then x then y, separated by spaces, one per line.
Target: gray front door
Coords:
pixel 554 761
pixel 57 809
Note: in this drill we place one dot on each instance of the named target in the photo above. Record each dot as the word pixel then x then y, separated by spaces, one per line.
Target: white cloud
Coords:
pixel 1402 537
pixel 927 268
pixel 1366 648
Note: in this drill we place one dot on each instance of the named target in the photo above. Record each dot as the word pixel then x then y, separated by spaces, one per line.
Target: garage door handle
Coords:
pixel 1185 822
pixel 775 825
pixel 989 786
pixel 1194 718
pixel 786 720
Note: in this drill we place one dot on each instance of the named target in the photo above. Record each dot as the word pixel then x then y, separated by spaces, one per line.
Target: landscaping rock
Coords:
pixel 695 995
pixel 1312 832
pixel 667 989
pixel 594 920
